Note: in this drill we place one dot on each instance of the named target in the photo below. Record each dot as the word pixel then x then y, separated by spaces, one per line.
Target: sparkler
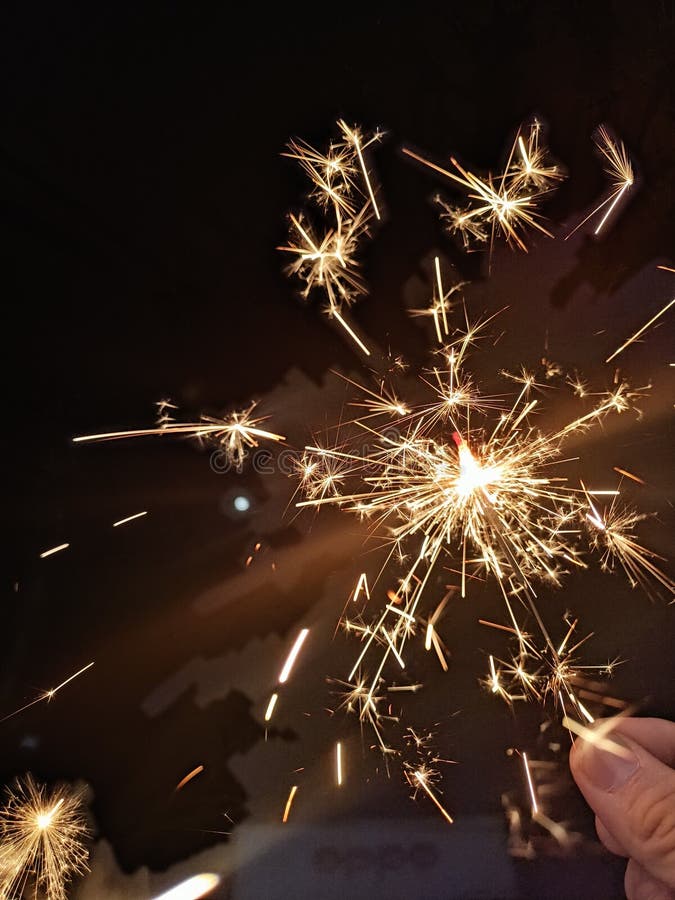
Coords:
pixel 499 204
pixel 42 835
pixel 234 435
pixel 620 171
pixel 463 477
pixel 342 188
pixel 456 478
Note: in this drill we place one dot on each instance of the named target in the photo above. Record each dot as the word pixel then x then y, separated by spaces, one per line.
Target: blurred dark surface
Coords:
pixel 143 196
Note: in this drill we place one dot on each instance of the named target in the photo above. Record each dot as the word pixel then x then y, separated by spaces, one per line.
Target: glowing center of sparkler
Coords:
pixel 472 476
pixel 44 820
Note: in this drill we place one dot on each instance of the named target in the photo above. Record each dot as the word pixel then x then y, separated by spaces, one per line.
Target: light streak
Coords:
pixel 57 549
pixel 50 694
pixel 289 803
pixel 138 515
pixel 425 787
pixel 270 707
pixel 192 888
pixel 293 655
pixel 361 585
pixel 530 785
pixel 190 775
pixel 338 763
pixel 640 331
pixel 628 475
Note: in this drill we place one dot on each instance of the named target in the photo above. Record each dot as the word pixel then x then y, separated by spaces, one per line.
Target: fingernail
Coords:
pixel 606 770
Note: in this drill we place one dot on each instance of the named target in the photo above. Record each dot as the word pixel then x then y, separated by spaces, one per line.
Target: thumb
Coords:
pixel 633 793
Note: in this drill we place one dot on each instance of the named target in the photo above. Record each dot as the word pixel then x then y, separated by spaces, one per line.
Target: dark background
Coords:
pixel 143 196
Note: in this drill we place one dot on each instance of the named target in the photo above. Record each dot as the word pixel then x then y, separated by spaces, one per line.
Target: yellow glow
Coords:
pixel 472 475
pixel 191 889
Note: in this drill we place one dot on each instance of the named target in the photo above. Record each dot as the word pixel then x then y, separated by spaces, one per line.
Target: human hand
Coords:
pixel 633 798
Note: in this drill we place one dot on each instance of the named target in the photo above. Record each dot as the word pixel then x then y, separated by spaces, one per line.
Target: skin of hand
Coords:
pixel 631 789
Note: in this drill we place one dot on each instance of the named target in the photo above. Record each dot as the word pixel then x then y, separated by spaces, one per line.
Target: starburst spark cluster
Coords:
pixel 325 258
pixel 234 435
pixel 618 169
pixel 43 837
pixel 502 204
pixel 467 479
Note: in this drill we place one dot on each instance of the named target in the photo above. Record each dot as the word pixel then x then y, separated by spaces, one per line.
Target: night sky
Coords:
pixel 143 196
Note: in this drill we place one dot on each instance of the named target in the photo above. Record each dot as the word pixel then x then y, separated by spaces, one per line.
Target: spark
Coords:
pixel 326 259
pixel 620 171
pixel 234 435
pixel 640 331
pixel 505 203
pixel 331 174
pixel 129 519
pixel 50 694
pixel 289 803
pixel 441 303
pixel 360 699
pixel 270 707
pixel 293 655
pixel 530 785
pixel 338 763
pixel 57 549
pixel 42 839
pixel 190 775
pixel 353 137
pixel 425 787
